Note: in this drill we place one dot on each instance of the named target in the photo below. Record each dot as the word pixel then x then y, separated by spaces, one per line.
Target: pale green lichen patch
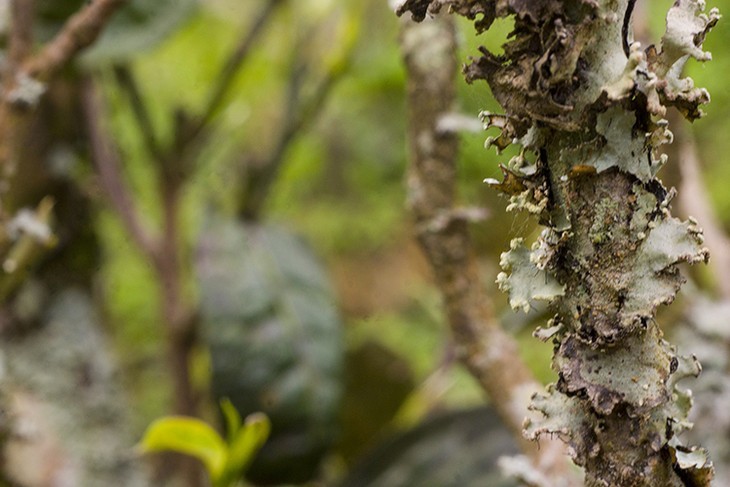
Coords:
pixel 526 201
pixel 656 279
pixel 633 372
pixel 686 29
pixel 670 242
pixel 554 326
pixel 629 155
pixel 644 205
pixel 566 417
pixel 636 77
pixel 693 462
pixel 600 232
pixel 507 130
pixel 523 280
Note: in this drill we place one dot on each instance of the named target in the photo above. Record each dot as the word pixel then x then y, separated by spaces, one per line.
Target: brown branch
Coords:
pixel 482 346
pixel 12 120
pixel 126 80
pixel 79 32
pixel 20 38
pixel 163 254
pixel 225 79
pixel 106 161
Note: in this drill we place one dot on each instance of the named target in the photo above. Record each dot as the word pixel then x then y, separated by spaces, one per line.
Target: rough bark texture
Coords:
pixel 484 348
pixel 587 119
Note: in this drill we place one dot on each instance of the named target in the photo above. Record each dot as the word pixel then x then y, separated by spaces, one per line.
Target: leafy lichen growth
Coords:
pixel 608 258
pixel 526 281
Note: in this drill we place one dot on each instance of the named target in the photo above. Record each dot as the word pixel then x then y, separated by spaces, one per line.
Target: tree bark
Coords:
pixel 429 52
pixel 584 102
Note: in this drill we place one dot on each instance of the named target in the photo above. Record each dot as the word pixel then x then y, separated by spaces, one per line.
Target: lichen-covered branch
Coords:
pixel 588 118
pixel 484 348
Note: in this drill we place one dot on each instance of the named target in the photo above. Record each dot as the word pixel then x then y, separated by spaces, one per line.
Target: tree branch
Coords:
pixel 106 161
pixel 299 114
pixel 20 38
pixel 484 348
pixel 225 79
pixel 79 32
pixel 126 80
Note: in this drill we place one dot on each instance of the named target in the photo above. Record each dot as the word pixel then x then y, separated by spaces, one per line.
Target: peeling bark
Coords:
pixel 588 120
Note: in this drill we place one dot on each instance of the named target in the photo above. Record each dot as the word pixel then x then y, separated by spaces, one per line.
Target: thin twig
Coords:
pixel 225 79
pixel 111 177
pixel 20 44
pixel 79 32
pixel 126 80
pixel 300 114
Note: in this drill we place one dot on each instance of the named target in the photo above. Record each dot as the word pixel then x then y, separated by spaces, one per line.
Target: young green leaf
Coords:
pixel 232 418
pixel 248 441
pixel 190 436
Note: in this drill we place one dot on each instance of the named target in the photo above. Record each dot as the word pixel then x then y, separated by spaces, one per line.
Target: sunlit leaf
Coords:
pixel 232 418
pixel 189 436
pixel 248 441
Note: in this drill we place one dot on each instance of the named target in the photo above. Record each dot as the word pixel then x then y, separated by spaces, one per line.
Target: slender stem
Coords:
pixel 693 198
pixel 163 254
pixel 111 178
pixel 12 120
pixel 262 175
pixel 126 80
pixel 225 79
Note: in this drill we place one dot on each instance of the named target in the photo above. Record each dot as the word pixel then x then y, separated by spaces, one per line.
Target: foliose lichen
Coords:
pixel 587 106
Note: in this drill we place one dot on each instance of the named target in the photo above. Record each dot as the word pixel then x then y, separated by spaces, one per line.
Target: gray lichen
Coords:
pixel 592 120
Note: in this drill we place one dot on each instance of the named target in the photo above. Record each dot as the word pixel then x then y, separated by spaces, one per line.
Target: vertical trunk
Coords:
pixel 489 354
pixel 584 103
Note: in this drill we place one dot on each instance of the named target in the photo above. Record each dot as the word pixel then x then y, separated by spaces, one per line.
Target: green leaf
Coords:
pixel 248 441
pixel 190 436
pixel 233 419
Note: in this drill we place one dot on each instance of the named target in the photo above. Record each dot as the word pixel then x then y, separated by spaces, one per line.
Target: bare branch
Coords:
pixel 79 32
pixel 107 164
pixel 228 73
pixel 300 114
pixel 126 80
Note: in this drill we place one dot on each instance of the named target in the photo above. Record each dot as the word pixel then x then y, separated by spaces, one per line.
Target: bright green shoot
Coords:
pixel 225 460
